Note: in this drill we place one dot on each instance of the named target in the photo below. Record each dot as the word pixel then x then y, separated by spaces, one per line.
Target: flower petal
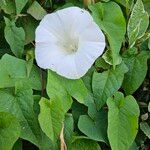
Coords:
pixel 47 55
pixel 86 55
pixel 67 67
pixel 75 19
pixel 92 33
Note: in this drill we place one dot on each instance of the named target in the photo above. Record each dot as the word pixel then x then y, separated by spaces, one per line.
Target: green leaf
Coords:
pixel 19 102
pixel 16 70
pixel 15 37
pixel 29 25
pixel 62 88
pixel 9 131
pixel 101 63
pixel 36 11
pixel 149 106
pixel 123 116
pixel 138 17
pixel 95 129
pixel 68 128
pixel 20 4
pixel 110 19
pixel 145 128
pixel 137 65
pixel 51 117
pixel 107 56
pixel 84 144
pixel 8 6
pixel 105 84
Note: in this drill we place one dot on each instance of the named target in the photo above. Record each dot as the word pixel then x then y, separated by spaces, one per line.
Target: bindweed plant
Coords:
pixel 74 75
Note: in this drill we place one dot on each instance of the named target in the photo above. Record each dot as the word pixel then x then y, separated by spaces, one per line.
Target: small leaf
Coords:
pixel 138 17
pixel 81 143
pixel 9 130
pixel 145 128
pixel 101 63
pixel 20 5
pixel 149 106
pixel 36 11
pixel 29 24
pixel 107 56
pixel 123 117
pixel 51 117
pixel 96 128
pixel 105 84
pixel 113 25
pixel 15 37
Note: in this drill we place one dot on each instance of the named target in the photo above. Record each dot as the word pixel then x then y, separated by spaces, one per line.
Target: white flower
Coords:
pixel 68 42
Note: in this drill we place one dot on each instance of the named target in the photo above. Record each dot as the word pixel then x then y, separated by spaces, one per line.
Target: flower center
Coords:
pixel 71 48
pixel 70 45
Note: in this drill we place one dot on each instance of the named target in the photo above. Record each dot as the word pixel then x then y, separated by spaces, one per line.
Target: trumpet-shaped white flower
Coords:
pixel 68 42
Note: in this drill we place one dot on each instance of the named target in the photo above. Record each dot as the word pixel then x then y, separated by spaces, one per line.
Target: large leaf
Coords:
pixel 19 102
pixel 110 19
pixel 16 70
pixel 15 37
pixel 138 22
pixel 9 130
pixel 20 5
pixel 95 129
pixel 105 84
pixel 51 117
pixel 36 11
pixel 122 121
pixel 137 65
pixel 22 108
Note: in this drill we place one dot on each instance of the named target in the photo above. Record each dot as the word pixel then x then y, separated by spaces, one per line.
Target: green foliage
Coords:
pixel 8 6
pixel 15 37
pixel 20 5
pixel 137 65
pixel 94 128
pixel 105 84
pixel 110 19
pixel 90 113
pixel 22 101
pixel 9 75
pixel 51 117
pixel 9 130
pixel 122 121
pixel 138 23
pixel 63 89
pixel 84 144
